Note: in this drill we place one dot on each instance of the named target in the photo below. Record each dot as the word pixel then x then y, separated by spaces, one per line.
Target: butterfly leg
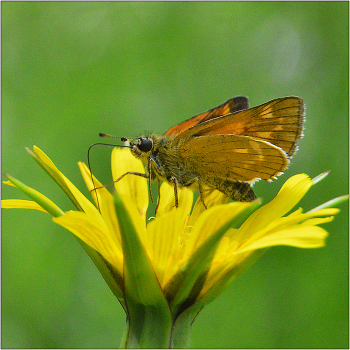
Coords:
pixel 120 177
pixel 158 195
pixel 201 193
pixel 149 179
pixel 174 181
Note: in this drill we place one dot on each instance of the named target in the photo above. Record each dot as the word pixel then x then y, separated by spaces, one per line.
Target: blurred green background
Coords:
pixel 73 69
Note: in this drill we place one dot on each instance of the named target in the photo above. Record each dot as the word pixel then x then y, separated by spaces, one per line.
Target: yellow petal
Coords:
pixel 106 206
pixel 167 199
pixel 131 188
pixel 85 204
pixel 166 233
pixel 21 204
pixel 95 234
pixel 290 194
pixel 9 183
pixel 103 199
pixel 317 221
pixel 295 218
pixel 41 198
pixel 46 159
pixel 211 197
pixel 165 240
pixel 298 236
pixel 94 186
pixel 210 220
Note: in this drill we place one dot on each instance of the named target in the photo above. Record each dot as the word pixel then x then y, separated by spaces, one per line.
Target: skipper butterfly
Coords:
pixel 227 148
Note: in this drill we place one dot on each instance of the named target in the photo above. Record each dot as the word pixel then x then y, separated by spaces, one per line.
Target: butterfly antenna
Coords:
pixel 123 139
pixel 101 134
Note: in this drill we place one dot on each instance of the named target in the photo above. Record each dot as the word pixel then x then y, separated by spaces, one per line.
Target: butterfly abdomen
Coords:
pixel 236 190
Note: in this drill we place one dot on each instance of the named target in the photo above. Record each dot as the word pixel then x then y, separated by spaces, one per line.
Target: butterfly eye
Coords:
pixel 144 144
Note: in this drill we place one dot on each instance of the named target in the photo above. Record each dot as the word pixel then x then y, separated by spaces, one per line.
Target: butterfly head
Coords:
pixel 140 147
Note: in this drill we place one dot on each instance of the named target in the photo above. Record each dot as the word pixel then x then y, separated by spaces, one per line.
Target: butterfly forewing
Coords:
pixel 279 122
pixel 232 105
pixel 233 157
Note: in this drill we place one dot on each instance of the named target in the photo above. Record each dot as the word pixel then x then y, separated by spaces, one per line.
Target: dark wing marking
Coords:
pixel 232 105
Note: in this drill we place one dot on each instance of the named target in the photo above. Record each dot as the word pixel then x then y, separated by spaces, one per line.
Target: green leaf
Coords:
pixel 188 282
pixel 148 314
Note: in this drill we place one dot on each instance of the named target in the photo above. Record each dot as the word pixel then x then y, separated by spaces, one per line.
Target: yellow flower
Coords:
pixel 183 258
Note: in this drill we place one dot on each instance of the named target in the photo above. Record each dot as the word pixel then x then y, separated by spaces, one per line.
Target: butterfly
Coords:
pixel 227 148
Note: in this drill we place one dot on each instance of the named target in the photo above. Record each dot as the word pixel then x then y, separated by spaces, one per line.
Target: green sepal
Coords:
pixel 182 325
pixel 36 197
pixel 148 314
pixel 183 289
pixel 330 204
pixel 56 177
pixel 181 333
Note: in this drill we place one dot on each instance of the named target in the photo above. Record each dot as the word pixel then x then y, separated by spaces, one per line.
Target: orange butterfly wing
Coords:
pixel 233 157
pixel 279 122
pixel 232 105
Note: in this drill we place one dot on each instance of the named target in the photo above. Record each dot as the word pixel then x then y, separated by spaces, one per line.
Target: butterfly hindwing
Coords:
pixel 233 157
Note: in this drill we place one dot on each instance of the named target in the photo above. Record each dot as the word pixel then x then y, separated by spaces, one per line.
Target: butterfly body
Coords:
pixel 166 162
pixel 227 148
